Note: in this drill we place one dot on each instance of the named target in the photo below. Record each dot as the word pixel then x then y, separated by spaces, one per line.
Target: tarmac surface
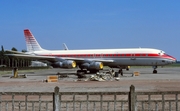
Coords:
pixel 167 79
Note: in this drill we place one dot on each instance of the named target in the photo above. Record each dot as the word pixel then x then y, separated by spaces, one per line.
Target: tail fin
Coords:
pixel 31 42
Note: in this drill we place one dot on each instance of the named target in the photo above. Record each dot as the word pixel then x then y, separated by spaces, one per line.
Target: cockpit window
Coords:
pixel 161 52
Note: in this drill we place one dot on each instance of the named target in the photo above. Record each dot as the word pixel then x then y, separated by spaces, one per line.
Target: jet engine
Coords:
pixel 66 64
pixel 93 65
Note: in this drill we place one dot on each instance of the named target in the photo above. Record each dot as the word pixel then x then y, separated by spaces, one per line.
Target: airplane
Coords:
pixel 93 60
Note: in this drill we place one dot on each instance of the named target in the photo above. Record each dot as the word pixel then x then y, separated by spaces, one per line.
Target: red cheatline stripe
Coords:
pixel 111 55
pixel 104 55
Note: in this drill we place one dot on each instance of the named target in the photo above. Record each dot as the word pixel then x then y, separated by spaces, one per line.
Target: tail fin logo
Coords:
pixel 31 42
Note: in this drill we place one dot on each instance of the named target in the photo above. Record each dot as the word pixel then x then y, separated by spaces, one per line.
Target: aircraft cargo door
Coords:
pixel 133 59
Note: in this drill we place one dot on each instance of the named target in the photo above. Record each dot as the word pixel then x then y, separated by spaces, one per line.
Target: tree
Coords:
pixel 14 49
pixel 2 55
pixel 2 49
pixel 24 50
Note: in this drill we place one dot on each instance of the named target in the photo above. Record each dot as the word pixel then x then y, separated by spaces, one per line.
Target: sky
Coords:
pixel 91 24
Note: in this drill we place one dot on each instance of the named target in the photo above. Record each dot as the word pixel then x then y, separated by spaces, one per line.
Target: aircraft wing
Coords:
pixel 55 59
pixel 88 59
pixel 29 56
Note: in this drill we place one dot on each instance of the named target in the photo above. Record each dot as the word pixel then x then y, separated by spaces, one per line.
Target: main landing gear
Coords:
pixel 121 72
pixel 81 73
pixel 154 71
pixel 85 71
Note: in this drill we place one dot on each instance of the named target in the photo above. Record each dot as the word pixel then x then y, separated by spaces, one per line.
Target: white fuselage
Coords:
pixel 121 57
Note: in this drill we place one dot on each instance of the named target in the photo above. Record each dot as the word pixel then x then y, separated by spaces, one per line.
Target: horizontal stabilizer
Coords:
pixel 15 52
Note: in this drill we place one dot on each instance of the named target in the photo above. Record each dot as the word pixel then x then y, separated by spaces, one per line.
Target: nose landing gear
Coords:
pixel 121 72
pixel 154 71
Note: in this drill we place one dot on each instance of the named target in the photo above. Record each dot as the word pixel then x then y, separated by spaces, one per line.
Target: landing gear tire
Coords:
pixel 154 71
pixel 121 72
pixel 94 71
pixel 81 73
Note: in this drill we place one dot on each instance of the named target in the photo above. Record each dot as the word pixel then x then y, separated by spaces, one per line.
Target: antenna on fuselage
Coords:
pixel 65 46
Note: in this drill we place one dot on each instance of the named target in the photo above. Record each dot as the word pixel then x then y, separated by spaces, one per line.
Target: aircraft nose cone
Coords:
pixel 174 61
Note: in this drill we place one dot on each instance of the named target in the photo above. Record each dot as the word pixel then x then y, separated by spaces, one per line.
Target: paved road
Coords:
pixel 167 79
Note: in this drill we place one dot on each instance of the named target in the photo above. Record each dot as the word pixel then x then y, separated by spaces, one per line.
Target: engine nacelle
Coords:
pixel 93 65
pixel 66 64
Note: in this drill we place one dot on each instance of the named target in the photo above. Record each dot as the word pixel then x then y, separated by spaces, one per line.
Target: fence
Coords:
pixel 25 101
pixel 155 101
pixel 90 101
